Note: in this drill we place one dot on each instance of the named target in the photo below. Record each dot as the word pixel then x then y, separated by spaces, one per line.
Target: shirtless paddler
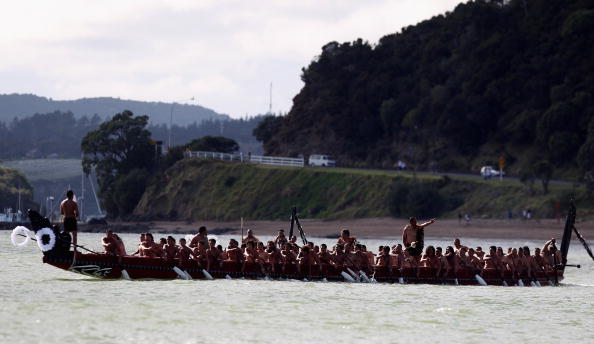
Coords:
pixel 69 208
pixel 414 232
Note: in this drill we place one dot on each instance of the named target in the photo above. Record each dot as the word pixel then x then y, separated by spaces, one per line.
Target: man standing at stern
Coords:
pixel 69 208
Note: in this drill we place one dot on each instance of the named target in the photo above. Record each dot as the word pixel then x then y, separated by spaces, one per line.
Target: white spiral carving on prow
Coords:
pixel 52 241
pixel 20 231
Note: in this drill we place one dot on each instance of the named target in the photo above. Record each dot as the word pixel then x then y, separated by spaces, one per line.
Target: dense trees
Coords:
pixel 58 134
pixel 239 130
pixel 41 135
pixel 126 159
pixel 213 144
pixel 122 154
pixel 454 92
pixel 13 182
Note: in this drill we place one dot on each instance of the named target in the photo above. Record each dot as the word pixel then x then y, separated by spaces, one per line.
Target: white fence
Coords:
pixel 256 159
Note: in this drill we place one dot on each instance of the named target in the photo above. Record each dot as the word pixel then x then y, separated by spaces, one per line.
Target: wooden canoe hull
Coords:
pixel 110 267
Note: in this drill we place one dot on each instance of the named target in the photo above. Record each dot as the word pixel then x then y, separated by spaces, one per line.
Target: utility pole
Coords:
pixel 19 199
pixel 82 197
pixel 51 208
pixel 170 125
pixel 270 103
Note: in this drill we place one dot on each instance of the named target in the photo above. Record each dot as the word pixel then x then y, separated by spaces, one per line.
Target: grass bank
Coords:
pixel 196 189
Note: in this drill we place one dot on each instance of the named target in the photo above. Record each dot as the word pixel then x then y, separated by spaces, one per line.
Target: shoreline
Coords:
pixel 371 228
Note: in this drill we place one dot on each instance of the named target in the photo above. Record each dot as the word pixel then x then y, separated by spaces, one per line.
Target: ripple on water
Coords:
pixel 36 297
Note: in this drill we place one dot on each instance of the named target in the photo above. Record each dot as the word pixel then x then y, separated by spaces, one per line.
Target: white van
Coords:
pixel 321 160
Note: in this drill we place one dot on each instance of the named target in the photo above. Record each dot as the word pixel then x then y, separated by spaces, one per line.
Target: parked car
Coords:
pixel 488 171
pixel 321 160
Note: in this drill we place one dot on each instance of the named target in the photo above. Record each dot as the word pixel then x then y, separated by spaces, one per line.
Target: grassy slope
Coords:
pixel 52 177
pixel 10 181
pixel 47 169
pixel 198 189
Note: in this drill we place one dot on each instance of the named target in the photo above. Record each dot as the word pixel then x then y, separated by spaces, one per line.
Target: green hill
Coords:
pixel 11 181
pixel 195 189
pixel 454 93
pixel 52 177
pixel 24 105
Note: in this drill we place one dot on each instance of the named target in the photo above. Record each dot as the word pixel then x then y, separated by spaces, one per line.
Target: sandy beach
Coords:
pixel 368 228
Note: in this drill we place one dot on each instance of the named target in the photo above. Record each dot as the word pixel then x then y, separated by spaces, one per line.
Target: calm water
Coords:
pixel 42 304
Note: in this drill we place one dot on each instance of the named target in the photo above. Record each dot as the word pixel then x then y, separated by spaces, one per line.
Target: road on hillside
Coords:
pixel 461 175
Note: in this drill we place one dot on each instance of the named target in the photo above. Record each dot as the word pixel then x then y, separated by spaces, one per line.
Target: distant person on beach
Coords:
pixel 69 208
pixel 415 233
pixel 467 219
pixel 202 236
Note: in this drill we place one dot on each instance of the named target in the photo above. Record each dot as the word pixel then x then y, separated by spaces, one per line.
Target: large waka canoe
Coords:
pixel 132 267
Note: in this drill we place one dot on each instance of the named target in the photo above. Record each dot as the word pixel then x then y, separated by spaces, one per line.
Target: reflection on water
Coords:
pixel 43 304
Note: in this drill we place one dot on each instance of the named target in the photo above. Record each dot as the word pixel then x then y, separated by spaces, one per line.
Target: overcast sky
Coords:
pixel 223 53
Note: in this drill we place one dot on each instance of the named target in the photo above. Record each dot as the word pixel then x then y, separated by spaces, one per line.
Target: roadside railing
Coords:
pixel 240 157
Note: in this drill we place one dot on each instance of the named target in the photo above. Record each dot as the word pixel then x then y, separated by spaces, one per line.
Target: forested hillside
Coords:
pixel 23 105
pixel 454 93
pixel 58 134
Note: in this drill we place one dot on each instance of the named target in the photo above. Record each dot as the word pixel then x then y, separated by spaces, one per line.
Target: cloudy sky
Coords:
pixel 223 53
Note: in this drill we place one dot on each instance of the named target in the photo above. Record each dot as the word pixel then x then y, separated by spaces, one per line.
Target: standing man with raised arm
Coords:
pixel 69 208
pixel 415 233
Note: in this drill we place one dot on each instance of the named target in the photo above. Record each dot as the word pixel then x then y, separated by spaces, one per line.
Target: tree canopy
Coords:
pixel 454 92
pixel 45 135
pixel 121 152
pixel 213 144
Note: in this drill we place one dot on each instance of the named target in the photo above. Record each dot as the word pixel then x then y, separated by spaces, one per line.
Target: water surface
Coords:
pixel 42 304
